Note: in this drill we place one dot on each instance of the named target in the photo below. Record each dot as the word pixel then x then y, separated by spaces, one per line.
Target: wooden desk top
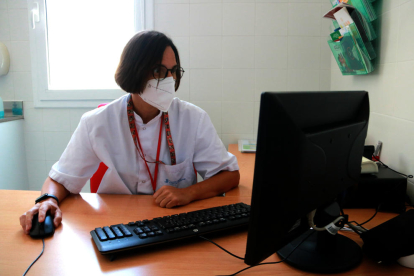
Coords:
pixel 71 250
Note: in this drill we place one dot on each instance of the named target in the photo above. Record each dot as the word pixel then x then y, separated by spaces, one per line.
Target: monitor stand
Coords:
pixel 322 252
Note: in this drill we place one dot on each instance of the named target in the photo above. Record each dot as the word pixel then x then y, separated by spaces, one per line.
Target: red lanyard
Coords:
pixel 135 137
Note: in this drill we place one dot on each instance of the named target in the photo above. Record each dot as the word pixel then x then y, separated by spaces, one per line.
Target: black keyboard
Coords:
pixel 142 233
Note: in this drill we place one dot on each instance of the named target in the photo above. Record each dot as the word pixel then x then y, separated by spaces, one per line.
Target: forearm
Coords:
pixel 218 184
pixel 52 187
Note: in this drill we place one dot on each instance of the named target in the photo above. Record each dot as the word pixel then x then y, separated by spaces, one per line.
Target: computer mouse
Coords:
pixel 407 261
pixel 44 229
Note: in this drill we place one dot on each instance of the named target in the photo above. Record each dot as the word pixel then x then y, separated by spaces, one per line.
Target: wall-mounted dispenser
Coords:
pixel 4 60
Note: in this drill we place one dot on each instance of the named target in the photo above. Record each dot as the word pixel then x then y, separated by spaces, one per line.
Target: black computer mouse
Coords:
pixel 44 229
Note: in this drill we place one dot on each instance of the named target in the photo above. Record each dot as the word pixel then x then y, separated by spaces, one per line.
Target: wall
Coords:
pixel 390 86
pixel 13 170
pixel 231 51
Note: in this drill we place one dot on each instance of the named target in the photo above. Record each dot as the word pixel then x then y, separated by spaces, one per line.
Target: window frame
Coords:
pixel 85 98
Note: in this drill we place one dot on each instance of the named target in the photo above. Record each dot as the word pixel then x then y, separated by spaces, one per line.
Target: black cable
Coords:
pixel 43 249
pixel 204 238
pixel 312 232
pixel 377 160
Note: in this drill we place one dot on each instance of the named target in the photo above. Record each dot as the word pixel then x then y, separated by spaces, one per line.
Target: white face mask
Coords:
pixel 159 94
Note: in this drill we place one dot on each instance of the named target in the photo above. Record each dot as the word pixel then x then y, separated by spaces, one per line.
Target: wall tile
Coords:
pixel 405 48
pixel 19 24
pixel 303 80
pixel 206 84
pixel 256 117
pixel 304 53
pixel 205 52
pixel 213 110
pixel 404 91
pixel 35 146
pixel 325 80
pixel 33 117
pixel 238 85
pixel 237 117
pixel 4 25
pixel 56 120
pixel 206 19
pixel 270 80
pixel 23 90
pixel 7 87
pixel 271 52
pixel 172 19
pixel 56 143
pixel 20 56
pixel 304 19
pixel 326 54
pixel 238 18
pixel 205 1
pixel 238 52
pixel 387 39
pixel 37 173
pixel 3 4
pixel 17 4
pixel 171 1
pixel 183 46
pixel 271 19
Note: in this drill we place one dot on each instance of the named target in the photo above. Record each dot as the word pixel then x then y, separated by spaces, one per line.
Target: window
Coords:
pixel 76 46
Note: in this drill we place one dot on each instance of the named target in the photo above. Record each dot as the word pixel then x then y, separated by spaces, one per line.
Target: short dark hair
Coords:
pixel 142 52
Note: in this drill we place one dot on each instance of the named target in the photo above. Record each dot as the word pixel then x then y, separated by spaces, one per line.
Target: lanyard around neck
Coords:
pixel 135 137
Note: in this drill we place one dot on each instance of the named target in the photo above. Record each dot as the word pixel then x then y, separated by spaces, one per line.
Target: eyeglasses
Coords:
pixel 160 72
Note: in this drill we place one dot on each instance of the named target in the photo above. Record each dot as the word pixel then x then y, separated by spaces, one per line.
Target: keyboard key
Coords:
pixel 170 230
pixel 138 231
pixel 117 232
pixel 154 228
pixel 184 227
pixel 216 221
pixel 232 218
pixel 223 220
pixel 158 233
pixel 177 229
pixel 151 234
pixel 140 223
pixel 146 229
pixel 192 226
pixel 131 223
pixel 209 222
pixel 125 230
pixel 145 221
pixel 101 234
pixel 143 236
pixel 238 216
pixel 109 233
pixel 201 224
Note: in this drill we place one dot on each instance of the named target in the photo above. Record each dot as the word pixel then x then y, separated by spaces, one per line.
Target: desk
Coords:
pixel 71 250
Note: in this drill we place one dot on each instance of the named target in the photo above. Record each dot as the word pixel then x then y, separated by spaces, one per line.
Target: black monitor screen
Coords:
pixel 309 149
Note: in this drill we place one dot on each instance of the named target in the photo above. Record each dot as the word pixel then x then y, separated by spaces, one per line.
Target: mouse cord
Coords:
pixel 36 258
pixel 204 238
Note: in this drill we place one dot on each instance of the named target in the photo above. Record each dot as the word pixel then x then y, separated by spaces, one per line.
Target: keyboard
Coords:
pixel 142 233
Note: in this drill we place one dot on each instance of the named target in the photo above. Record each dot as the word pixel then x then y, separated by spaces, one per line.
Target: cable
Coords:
pixel 407 176
pixel 204 238
pixel 312 232
pixel 43 249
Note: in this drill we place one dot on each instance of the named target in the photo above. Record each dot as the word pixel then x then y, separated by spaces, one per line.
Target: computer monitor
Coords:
pixel 309 150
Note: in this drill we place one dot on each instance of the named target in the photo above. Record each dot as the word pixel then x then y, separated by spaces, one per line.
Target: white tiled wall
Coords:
pixel 231 50
pixel 240 48
pixel 390 86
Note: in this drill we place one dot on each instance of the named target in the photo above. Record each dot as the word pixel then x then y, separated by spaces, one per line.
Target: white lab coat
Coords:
pixel 103 135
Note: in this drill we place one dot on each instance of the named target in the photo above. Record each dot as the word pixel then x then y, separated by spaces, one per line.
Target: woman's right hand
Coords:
pixel 48 205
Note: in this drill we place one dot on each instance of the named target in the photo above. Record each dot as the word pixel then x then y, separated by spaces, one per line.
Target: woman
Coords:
pixel 151 142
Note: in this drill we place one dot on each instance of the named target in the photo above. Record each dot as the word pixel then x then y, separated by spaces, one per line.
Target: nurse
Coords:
pixel 151 142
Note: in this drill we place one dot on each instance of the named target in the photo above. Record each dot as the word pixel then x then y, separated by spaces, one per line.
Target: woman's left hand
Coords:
pixel 169 197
